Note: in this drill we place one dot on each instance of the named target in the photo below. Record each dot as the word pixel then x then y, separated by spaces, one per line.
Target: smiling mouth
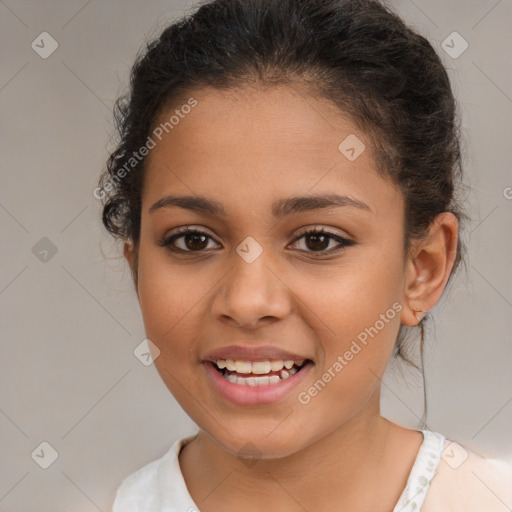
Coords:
pixel 258 373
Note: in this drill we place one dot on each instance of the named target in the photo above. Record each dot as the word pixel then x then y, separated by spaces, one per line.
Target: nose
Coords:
pixel 252 293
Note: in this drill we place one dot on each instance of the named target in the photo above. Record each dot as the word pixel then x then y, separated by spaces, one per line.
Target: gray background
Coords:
pixel 69 324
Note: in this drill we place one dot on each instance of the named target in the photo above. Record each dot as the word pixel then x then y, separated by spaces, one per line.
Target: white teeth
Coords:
pixel 253 381
pixel 260 381
pixel 285 368
pixel 243 367
pixel 260 367
pixel 275 366
pixel 257 367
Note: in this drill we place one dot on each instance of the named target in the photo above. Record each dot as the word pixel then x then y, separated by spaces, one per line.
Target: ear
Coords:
pixel 428 268
pixel 131 254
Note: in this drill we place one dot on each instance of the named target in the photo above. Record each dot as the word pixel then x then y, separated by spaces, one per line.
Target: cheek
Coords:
pixel 356 350
pixel 168 297
pixel 351 296
pixel 356 307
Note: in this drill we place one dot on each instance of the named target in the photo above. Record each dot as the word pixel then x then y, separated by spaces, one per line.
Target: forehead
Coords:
pixel 280 117
pixel 262 144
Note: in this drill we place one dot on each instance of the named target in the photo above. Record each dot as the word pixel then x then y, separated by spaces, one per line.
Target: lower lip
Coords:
pixel 243 394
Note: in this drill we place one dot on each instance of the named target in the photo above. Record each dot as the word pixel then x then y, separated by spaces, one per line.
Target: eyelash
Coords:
pixel 343 242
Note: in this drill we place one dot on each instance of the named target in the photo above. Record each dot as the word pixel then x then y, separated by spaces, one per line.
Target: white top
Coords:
pixel 445 477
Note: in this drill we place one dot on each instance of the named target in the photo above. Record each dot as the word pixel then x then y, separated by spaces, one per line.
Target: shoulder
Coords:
pixel 141 491
pixel 138 491
pixel 466 480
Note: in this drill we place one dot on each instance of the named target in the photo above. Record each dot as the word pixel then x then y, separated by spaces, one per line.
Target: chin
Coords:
pixel 254 443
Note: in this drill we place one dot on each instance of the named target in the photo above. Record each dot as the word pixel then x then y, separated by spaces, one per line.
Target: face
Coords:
pixel 259 281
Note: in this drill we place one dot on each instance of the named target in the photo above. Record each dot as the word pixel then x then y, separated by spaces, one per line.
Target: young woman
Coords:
pixel 285 187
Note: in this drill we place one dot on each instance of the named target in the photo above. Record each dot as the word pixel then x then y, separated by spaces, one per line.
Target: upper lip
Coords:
pixel 242 353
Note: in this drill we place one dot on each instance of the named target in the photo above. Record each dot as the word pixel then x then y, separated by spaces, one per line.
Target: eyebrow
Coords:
pixel 280 208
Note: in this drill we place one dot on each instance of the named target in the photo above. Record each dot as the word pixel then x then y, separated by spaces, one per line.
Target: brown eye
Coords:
pixel 187 240
pixel 195 241
pixel 318 241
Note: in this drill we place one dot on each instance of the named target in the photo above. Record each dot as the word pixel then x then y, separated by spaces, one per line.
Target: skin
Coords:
pixel 246 149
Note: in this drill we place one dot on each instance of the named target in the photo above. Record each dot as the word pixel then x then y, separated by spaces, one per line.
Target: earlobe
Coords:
pixel 128 251
pixel 130 254
pixel 429 267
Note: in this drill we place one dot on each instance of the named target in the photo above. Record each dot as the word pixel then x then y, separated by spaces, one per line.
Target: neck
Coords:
pixel 338 468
